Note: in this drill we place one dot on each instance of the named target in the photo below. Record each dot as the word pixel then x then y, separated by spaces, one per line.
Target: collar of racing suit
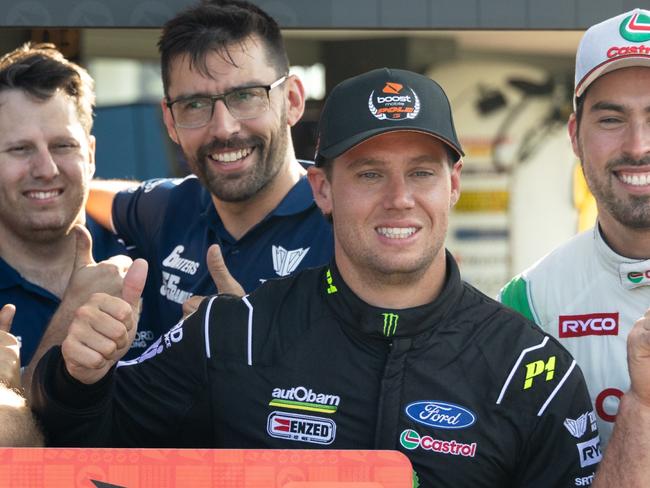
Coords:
pixel 631 272
pixel 390 323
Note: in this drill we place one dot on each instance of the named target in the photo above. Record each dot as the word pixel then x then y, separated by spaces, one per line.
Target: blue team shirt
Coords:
pixel 172 222
pixel 35 305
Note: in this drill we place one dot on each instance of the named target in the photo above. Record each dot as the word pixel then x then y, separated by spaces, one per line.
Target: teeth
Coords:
pixel 396 232
pixel 229 157
pixel 635 179
pixel 42 195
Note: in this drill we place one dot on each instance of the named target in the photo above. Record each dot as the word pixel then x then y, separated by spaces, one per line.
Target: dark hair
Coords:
pixel 580 106
pixel 214 25
pixel 41 70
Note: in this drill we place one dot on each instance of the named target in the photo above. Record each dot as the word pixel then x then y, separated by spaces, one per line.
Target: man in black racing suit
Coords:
pixel 386 349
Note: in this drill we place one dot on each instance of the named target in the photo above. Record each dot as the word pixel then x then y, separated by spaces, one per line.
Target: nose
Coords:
pixel 42 165
pixel 399 194
pixel 223 125
pixel 636 143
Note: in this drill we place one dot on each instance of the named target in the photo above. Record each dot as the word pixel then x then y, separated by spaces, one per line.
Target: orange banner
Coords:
pixel 198 468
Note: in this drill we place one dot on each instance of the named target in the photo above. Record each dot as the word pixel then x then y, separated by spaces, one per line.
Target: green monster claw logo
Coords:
pixel 636 28
pixel 635 276
pixel 330 282
pixel 390 323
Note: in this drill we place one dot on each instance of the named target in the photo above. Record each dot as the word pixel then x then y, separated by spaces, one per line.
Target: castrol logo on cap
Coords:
pixel 394 102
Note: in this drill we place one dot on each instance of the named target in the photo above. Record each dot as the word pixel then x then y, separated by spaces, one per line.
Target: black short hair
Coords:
pixel 40 70
pixel 214 25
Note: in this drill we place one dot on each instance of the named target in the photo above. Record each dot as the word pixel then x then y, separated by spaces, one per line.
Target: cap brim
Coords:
pixel 336 150
pixel 611 65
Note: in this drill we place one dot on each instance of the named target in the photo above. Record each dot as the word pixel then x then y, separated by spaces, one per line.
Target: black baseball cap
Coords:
pixel 384 100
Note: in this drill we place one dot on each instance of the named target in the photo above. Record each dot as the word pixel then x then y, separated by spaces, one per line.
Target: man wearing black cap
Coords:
pixel 385 348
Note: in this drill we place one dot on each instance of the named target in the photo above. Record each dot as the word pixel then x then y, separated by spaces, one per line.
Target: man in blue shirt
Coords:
pixel 46 162
pixel 230 104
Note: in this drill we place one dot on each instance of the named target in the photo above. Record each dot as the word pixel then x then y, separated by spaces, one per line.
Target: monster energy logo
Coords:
pixel 390 323
pixel 330 282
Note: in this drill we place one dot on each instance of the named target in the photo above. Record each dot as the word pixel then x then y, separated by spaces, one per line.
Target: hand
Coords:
pixel 104 328
pixel 638 358
pixel 89 277
pixel 222 278
pixel 9 349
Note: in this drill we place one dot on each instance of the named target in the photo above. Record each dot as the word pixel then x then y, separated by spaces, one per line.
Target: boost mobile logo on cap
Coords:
pixel 636 28
pixel 394 102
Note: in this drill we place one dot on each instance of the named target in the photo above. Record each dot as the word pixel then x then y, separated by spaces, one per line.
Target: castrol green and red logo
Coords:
pixel 410 439
pixel 636 28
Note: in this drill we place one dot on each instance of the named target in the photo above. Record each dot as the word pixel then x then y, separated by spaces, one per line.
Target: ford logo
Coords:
pixel 440 414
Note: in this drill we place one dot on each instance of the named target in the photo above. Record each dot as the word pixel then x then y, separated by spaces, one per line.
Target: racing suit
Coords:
pixel 588 297
pixel 471 392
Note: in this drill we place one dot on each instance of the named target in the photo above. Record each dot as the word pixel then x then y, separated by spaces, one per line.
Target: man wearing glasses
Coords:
pixel 229 104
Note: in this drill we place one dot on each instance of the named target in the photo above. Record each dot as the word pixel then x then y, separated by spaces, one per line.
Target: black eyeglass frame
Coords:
pixel 223 96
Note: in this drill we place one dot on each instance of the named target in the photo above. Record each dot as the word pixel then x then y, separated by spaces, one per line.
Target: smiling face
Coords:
pixel 235 159
pixel 389 198
pixel 613 144
pixel 46 162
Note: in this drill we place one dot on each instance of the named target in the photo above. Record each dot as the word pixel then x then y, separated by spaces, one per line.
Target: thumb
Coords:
pixel 134 282
pixel 7 316
pixel 84 247
pixel 220 275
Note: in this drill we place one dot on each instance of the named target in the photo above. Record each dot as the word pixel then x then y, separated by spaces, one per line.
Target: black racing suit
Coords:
pixel 474 394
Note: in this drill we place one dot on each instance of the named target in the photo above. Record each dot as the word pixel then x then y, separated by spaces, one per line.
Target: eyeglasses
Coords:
pixel 242 103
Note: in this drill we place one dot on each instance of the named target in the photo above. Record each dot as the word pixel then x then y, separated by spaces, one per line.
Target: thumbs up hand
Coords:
pixel 9 349
pixel 222 278
pixel 104 328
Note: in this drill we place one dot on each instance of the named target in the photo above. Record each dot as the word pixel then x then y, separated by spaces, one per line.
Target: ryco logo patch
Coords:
pixel 440 414
pixel 410 439
pixel 589 452
pixel 392 103
pixel 592 324
pixel 303 428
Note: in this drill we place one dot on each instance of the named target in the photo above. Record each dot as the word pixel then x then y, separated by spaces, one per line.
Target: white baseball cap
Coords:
pixel 618 42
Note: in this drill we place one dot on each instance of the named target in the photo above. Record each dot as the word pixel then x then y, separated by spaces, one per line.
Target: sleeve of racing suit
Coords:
pixel 147 402
pixel 563 449
pixel 138 212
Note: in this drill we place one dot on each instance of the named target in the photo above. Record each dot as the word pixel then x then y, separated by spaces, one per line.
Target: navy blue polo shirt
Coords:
pixel 172 222
pixel 35 305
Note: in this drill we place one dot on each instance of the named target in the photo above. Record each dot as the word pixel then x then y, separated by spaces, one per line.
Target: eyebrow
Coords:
pixel 613 107
pixel 370 161
pixel 250 84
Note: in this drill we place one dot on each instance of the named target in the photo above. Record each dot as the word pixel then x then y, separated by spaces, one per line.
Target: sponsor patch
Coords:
pixel 410 439
pixel 578 427
pixel 635 28
pixel 592 324
pixel 585 480
pixel 394 102
pixel 537 368
pixel 589 452
pixel 390 324
pixel 303 428
pixel 176 261
pixel 440 415
pixel 302 398
pixel 285 262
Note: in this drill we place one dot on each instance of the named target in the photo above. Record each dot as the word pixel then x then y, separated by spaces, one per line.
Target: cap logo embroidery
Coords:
pixel 395 102
pixel 636 28
pixel 393 88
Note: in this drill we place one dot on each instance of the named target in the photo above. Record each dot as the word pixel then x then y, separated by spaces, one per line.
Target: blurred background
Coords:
pixel 507 67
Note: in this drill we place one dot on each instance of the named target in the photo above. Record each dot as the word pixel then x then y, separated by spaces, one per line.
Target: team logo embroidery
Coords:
pixel 410 439
pixel 635 28
pixel 578 427
pixel 589 452
pixel 440 415
pixel 304 428
pixel 301 398
pixel 285 262
pixel 394 102
pixel 390 324
pixel 536 368
pixel 331 288
pixel 592 324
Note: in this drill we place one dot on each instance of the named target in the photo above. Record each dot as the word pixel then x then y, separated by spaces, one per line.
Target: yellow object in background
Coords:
pixel 583 200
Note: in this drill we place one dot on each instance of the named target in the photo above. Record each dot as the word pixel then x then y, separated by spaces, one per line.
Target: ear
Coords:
pixel 92 144
pixel 573 135
pixel 169 122
pixel 455 182
pixel 321 188
pixel 295 94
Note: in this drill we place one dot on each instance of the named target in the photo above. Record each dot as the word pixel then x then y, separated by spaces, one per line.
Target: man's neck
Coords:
pixel 239 217
pixel 46 264
pixel 396 291
pixel 628 242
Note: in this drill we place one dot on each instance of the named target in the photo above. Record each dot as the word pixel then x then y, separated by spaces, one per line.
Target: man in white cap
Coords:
pixel 589 292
